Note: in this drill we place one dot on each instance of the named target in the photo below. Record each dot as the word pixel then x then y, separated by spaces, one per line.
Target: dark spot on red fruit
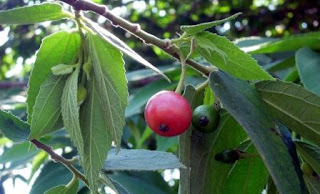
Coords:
pixel 203 121
pixel 163 128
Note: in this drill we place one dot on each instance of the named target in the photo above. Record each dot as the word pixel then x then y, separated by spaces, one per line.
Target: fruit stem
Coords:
pixel 183 67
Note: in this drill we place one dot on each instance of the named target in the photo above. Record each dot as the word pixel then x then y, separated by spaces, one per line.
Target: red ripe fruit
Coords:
pixel 168 113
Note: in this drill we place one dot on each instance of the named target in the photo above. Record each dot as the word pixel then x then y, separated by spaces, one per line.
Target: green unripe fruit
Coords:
pixel 81 94
pixel 306 169
pixel 205 118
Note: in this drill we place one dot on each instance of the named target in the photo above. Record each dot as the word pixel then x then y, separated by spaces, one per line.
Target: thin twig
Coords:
pixel 57 158
pixel 134 29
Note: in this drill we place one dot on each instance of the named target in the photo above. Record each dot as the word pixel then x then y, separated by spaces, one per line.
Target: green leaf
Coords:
pixel 195 99
pixel 59 48
pixel 136 183
pixel 308 64
pixel 141 97
pixel 96 135
pixel 247 175
pixel 290 43
pixel 46 116
pixel 207 174
pixel 119 44
pixel 313 184
pixel 112 184
pixel 62 69
pixel 235 61
pixel 13 128
pixel 208 96
pixel 310 154
pixel 244 104
pixel 70 110
pixel 139 159
pixel 109 74
pixel 294 106
pixel 37 161
pixel 18 153
pixel 194 29
pixel 33 14
pixel 71 188
pixel 165 143
pixel 147 73
pixel 52 174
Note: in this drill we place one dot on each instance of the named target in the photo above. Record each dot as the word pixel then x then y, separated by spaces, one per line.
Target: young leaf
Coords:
pixel 244 104
pixel 294 106
pixel 97 137
pixel 290 43
pixel 109 74
pixel 228 57
pixel 71 188
pixel 59 48
pixel 308 64
pixel 119 44
pixel 13 128
pixel 70 110
pixel 139 159
pixel 310 153
pixel 33 14
pixel 62 69
pixel 194 29
pixel 47 115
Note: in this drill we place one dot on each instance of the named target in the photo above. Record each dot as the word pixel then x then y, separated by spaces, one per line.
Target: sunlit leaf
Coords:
pixel 33 14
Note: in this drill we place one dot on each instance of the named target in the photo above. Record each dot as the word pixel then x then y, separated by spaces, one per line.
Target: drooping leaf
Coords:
pixel 310 153
pixel 47 108
pixel 141 97
pixel 147 73
pixel 71 188
pixel 195 99
pixel 111 83
pixel 119 44
pixel 194 29
pixel 96 135
pixel 308 64
pixel 139 159
pixel 52 174
pixel 294 106
pixel 70 110
pixel 33 14
pixel 244 104
pixel 13 128
pixel 290 43
pixel 59 48
pixel 235 61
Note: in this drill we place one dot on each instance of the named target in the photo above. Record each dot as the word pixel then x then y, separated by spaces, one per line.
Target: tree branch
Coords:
pixel 57 158
pixel 134 29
